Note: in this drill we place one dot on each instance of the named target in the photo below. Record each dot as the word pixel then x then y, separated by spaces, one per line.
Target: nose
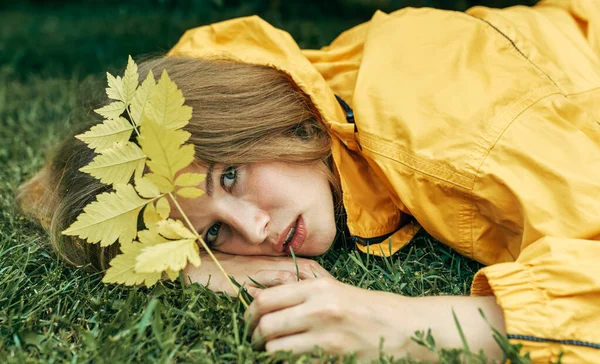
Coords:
pixel 251 222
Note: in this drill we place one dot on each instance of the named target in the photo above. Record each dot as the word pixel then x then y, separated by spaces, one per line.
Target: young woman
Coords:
pixel 481 127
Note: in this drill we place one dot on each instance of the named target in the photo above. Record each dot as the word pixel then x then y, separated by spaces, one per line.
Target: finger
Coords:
pixel 284 296
pixel 270 278
pixel 273 299
pixel 280 323
pixel 253 291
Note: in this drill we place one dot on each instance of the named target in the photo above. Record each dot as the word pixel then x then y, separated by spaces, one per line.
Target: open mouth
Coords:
pixel 295 237
pixel 290 235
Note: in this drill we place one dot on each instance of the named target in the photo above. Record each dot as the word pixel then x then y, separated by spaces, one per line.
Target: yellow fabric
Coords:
pixel 483 127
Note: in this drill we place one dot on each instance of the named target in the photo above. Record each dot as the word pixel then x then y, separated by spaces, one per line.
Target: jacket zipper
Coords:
pixel 370 241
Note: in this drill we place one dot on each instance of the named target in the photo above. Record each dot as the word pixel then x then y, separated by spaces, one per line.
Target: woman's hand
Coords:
pixel 323 312
pixel 268 271
pixel 342 319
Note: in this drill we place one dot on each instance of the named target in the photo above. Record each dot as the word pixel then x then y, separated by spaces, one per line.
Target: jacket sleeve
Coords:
pixel 537 199
pixel 536 203
pixel 550 298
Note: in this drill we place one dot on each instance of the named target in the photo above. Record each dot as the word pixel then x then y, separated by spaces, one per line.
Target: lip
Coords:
pixel 283 235
pixel 298 238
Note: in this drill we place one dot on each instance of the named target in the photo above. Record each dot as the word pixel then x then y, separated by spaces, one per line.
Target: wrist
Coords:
pixel 412 314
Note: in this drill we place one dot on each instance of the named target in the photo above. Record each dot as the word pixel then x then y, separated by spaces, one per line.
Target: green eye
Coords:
pixel 212 233
pixel 229 177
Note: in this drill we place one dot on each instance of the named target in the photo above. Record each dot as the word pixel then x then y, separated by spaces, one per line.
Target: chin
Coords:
pixel 319 248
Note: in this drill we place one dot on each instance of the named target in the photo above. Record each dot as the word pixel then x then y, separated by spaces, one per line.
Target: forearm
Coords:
pixel 435 313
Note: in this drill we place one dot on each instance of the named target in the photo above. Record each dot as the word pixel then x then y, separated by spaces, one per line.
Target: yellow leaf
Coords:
pixel 174 229
pixel 173 255
pixel 151 217
pixel 141 98
pixel 146 188
pixel 163 184
pixel 190 192
pixel 112 216
pixel 172 274
pixel 163 208
pixel 189 179
pixel 166 104
pixel 130 81
pixel 112 110
pixel 103 136
pixel 122 267
pixel 150 237
pixel 117 164
pixel 115 87
pixel 163 148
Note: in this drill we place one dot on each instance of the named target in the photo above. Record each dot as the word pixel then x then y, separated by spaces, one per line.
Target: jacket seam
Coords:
pixel 492 26
pixel 588 344
pixel 411 162
pixel 582 92
pixel 532 281
pixel 489 150
pixel 556 81
pixel 463 183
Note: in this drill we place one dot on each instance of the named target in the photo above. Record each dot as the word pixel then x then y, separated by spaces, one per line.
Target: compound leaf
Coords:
pixel 130 81
pixel 190 192
pixel 163 184
pixel 122 267
pixel 146 188
pixel 189 179
pixel 112 110
pixel 174 229
pixel 151 217
pixel 166 104
pixel 172 274
pixel 115 87
pixel 112 216
pixel 104 135
pixel 173 255
pixel 166 155
pixel 163 208
pixel 117 164
pixel 141 98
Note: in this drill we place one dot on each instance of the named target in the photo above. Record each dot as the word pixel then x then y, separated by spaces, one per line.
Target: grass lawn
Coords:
pixel 52 59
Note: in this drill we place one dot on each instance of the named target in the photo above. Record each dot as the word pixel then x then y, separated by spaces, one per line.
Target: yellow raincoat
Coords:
pixel 482 126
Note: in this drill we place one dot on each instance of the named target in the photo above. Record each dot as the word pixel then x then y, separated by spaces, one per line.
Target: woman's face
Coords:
pixel 263 209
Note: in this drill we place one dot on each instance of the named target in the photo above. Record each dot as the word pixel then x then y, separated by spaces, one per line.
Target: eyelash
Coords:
pixel 228 189
pixel 235 178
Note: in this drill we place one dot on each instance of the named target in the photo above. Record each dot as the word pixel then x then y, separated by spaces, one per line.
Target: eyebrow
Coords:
pixel 209 180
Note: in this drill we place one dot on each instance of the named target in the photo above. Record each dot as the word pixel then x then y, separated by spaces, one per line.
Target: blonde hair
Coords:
pixel 242 114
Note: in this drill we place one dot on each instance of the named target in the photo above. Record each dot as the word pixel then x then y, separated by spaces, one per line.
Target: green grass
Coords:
pixel 51 61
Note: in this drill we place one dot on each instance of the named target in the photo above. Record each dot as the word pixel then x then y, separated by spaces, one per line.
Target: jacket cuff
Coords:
pixel 525 305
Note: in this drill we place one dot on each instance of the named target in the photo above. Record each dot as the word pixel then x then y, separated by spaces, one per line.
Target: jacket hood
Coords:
pixel 252 40
pixel 371 214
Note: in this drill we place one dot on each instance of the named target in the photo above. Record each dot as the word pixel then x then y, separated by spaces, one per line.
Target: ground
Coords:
pixel 52 59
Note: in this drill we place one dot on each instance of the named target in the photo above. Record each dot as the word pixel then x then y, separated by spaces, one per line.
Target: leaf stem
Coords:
pixel 132 121
pixel 199 238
